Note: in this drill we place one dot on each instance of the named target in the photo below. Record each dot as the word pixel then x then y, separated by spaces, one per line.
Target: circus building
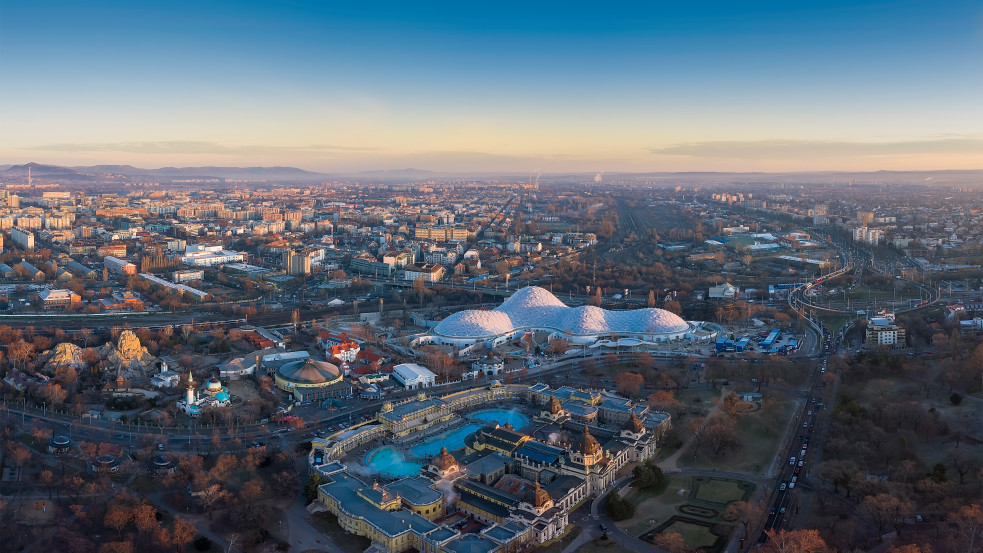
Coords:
pixel 310 380
pixel 534 309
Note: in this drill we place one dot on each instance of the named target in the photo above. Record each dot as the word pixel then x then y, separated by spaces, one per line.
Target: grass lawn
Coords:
pixel 719 491
pixel 760 434
pixel 655 508
pixel 327 524
pixel 693 534
pixel 833 322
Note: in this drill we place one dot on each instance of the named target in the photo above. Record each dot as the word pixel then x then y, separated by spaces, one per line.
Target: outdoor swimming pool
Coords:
pixel 501 416
pixel 452 440
pixel 390 462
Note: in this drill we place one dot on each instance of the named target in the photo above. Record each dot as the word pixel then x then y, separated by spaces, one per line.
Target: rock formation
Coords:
pixel 128 358
pixel 65 354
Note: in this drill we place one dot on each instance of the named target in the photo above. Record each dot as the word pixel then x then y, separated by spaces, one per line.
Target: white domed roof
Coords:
pixel 529 297
pixel 474 322
pixel 534 307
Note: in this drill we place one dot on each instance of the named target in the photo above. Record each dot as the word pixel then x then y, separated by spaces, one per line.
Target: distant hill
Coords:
pixel 128 170
pixel 43 171
pixel 240 173
pixel 107 174
pixel 101 172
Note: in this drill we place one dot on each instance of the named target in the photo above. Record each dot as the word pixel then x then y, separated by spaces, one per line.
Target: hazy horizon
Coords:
pixel 761 87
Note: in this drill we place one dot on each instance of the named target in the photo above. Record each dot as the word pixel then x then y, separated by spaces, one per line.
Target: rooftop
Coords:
pixel 535 307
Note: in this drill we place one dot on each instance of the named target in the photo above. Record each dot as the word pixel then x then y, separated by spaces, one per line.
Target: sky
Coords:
pixel 495 86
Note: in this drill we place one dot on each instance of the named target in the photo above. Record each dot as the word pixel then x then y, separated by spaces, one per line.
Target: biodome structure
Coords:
pixel 535 309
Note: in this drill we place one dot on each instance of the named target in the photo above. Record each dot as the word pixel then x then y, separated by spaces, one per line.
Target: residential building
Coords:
pixel 114 250
pixel 32 272
pixel 22 238
pixel 868 235
pixel 441 234
pixel 207 256
pixel 297 263
pixel 339 346
pixel 187 275
pixel 884 331
pixel 429 273
pixel 119 266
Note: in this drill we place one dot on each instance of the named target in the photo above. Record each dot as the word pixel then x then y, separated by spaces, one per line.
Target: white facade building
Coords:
pixel 24 239
pixel 413 376
pixel 207 256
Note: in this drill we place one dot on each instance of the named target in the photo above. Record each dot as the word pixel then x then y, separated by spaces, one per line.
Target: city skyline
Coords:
pixel 712 87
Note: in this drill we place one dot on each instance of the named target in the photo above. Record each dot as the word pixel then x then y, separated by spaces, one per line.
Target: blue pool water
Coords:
pixel 501 416
pixel 390 462
pixel 452 440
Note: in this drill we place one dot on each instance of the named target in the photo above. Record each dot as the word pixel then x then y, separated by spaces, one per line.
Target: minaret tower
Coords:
pixel 190 399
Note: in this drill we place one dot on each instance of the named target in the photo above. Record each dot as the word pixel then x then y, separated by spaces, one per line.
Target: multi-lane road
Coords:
pixel 798 456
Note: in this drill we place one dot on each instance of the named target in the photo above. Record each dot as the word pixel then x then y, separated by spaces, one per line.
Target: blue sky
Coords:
pixel 495 86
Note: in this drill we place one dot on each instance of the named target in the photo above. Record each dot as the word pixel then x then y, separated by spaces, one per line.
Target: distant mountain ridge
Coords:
pixel 104 171
pixel 281 174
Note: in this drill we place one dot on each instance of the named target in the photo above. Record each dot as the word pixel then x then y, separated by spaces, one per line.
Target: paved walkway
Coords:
pixel 671 463
pixel 201 522
pixel 303 536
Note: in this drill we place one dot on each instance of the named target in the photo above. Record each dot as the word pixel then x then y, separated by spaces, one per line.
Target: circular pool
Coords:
pixel 500 417
pixel 389 462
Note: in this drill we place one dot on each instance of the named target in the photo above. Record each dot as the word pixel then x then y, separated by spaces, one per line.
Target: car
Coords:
pixel 811 428
pixel 160 447
pixel 604 527
pixel 809 414
pixel 783 486
pixel 782 510
pixel 792 461
pixel 795 479
pixel 918 518
pixel 805 425
pixel 801 462
pixel 791 485
pixel 802 453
